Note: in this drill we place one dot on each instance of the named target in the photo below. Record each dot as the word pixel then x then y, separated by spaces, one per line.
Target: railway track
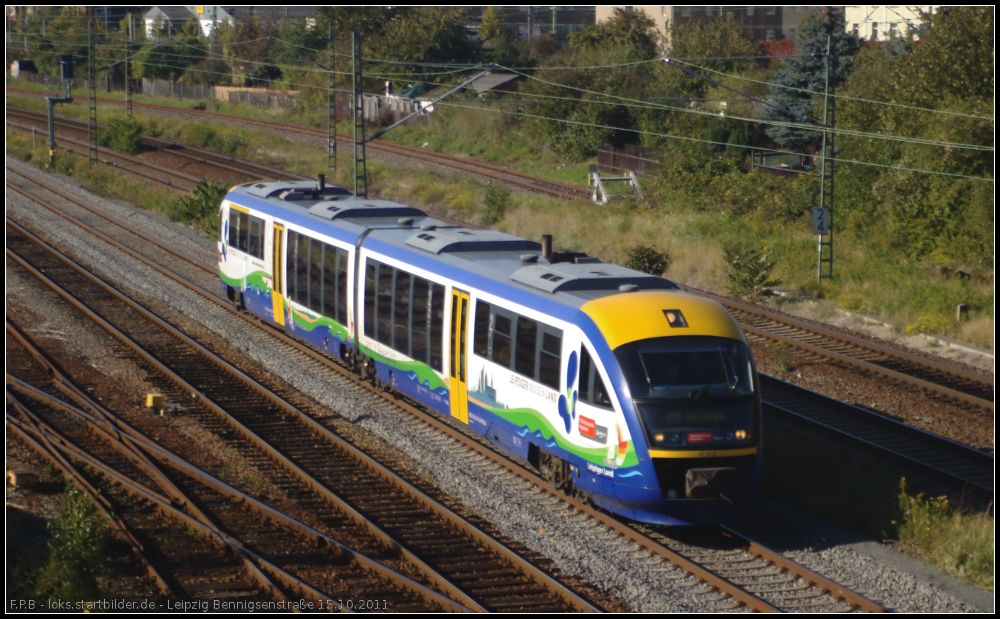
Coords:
pixel 521 180
pixel 448 551
pixel 754 587
pixel 242 169
pixel 857 353
pixel 252 548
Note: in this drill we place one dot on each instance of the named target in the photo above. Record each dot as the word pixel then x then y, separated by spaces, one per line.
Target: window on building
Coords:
pixel 685 11
pixel 894 29
pixel 750 11
pixel 855 29
pixel 710 11
pixel 791 33
pixel 770 35
pixel 772 10
pixel 874 31
pixel 791 10
pixel 663 11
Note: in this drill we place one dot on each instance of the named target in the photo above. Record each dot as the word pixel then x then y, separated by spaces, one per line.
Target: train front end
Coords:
pixel 687 385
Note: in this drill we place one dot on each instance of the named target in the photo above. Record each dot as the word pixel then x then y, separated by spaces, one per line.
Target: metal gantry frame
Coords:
pixel 824 250
pixel 331 105
pixel 91 99
pixel 358 105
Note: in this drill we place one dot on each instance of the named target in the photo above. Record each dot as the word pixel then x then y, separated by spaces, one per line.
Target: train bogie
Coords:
pixel 610 382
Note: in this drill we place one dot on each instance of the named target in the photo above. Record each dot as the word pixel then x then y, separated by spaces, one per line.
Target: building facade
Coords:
pixel 881 23
pixel 763 23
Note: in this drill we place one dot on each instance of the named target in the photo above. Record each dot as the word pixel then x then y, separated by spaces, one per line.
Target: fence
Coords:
pixel 632 158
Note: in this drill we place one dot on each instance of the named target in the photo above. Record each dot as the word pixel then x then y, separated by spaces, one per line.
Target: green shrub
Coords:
pixel 957 540
pixel 749 273
pixel 122 134
pixel 852 303
pixel 648 260
pixel 935 323
pixel 818 289
pixel 201 207
pixel 496 201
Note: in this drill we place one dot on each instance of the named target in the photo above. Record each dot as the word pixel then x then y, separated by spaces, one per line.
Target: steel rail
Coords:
pixel 496 547
pixel 520 179
pixel 740 595
pixel 193 153
pixel 119 527
pixel 54 437
pixel 796 332
pixel 903 442
pixel 118 436
pixel 134 161
pixel 165 507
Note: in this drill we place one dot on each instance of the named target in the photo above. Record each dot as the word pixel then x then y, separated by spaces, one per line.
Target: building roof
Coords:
pixel 482 85
pixel 169 13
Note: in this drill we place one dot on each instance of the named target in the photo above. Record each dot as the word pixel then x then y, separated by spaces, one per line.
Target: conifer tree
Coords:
pixel 807 71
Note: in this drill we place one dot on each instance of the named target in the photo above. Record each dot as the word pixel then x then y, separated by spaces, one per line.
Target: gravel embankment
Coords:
pixel 520 512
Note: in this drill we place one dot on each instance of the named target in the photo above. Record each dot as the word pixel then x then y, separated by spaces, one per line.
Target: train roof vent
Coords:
pixel 452 240
pixel 347 208
pixel 565 277
pixel 294 190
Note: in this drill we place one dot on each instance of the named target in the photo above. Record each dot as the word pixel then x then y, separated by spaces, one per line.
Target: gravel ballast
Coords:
pixel 521 512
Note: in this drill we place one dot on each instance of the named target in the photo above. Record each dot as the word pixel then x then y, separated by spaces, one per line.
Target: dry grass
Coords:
pixel 978 331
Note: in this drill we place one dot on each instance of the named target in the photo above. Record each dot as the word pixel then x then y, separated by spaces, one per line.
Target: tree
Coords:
pixel 425 35
pixel 807 71
pixel 947 220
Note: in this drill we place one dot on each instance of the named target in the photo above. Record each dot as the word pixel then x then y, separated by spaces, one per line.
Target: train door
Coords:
pixel 459 362
pixel 278 272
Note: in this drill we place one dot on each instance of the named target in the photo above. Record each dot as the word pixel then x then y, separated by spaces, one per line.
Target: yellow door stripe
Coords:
pixel 237 207
pixel 715 453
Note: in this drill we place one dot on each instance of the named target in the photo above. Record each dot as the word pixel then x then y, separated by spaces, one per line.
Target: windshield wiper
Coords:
pixel 701 393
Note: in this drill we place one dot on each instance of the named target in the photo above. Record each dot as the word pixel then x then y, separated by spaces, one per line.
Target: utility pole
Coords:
pixel 824 216
pixel 357 92
pixel 128 83
pixel 331 106
pixel 91 98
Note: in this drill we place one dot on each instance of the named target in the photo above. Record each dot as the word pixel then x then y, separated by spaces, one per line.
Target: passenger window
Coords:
pixel 370 271
pixel 481 338
pixel 384 332
pixel 330 281
pixel 524 354
pixel 418 330
pixel 401 320
pixel 437 327
pixel 302 271
pixel 586 369
pixel 256 248
pixel 234 228
pixel 342 287
pixel 290 282
pixel 501 340
pixel 316 277
pixel 550 361
pixel 244 236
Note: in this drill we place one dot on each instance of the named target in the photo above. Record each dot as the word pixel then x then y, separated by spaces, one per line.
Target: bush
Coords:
pixel 122 134
pixel 818 289
pixel 201 207
pixel 958 540
pixel 852 303
pixel 749 273
pixel 497 200
pixel 935 323
pixel 648 260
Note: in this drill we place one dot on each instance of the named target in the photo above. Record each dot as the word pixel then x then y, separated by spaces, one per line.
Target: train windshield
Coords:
pixel 686 367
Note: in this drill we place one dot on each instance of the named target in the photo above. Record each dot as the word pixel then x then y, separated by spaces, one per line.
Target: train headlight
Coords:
pixel 741 435
pixel 659 438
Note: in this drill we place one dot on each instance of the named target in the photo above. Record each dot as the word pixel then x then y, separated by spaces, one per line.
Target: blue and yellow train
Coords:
pixel 609 381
